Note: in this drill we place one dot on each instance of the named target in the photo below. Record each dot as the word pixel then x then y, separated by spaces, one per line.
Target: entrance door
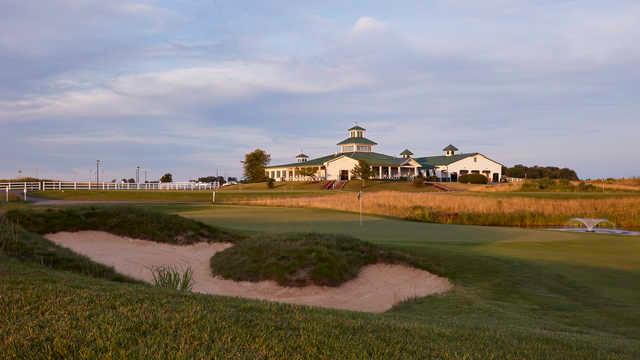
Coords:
pixel 454 177
pixel 344 175
pixel 496 177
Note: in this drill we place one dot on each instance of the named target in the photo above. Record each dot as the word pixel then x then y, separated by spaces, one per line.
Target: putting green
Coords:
pixel 611 251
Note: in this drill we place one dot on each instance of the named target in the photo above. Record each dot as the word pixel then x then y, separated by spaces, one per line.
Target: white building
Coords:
pixel 338 166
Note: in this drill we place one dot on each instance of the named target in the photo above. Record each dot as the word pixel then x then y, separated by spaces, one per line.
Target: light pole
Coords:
pixel 137 174
pixel 98 170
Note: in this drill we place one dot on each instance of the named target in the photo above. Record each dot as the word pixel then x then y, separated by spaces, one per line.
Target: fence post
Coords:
pixel 60 185
pixel 6 189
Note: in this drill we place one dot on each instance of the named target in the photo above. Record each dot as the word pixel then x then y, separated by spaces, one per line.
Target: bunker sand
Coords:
pixel 376 289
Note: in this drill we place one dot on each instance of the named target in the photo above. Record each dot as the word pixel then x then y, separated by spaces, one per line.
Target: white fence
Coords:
pixel 77 185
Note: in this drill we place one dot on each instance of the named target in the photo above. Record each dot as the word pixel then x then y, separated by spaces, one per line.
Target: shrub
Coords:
pixel 473 179
pixel 418 181
pixel 271 183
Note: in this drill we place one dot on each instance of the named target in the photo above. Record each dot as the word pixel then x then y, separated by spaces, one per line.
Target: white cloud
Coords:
pixel 366 24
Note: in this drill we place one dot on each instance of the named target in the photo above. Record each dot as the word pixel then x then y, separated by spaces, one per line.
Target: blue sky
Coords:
pixel 191 86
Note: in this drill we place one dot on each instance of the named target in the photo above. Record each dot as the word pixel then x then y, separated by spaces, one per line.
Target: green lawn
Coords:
pixel 170 196
pixel 519 293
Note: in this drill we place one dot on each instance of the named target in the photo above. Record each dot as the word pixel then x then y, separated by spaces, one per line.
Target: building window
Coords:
pixel 475 159
pixel 363 148
pixel 348 148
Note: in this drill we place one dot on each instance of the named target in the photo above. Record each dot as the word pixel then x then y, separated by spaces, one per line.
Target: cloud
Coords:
pixel 366 24
pixel 185 89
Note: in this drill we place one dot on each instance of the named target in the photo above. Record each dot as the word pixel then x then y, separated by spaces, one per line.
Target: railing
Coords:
pixel 20 186
pixel 99 186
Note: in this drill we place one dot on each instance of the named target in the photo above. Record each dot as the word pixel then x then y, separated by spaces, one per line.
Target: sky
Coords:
pixel 189 87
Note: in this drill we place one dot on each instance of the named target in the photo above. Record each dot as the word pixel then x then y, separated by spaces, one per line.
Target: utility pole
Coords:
pixel 98 171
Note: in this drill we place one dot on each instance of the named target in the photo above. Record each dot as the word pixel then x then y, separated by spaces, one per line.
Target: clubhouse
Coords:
pixel 446 167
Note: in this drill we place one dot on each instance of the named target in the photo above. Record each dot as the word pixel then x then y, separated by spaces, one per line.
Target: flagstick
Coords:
pixel 360 199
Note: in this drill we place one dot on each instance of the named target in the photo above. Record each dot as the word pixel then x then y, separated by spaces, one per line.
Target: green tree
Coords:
pixel 362 171
pixel 166 178
pixel 254 164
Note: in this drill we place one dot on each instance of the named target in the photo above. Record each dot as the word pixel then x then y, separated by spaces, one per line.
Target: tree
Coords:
pixel 254 164
pixel 211 179
pixel 131 181
pixel 166 178
pixel 362 171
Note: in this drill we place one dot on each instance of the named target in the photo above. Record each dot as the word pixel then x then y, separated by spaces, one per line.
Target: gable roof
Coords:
pixel 406 152
pixel 313 162
pixel 450 148
pixel 357 140
pixel 442 159
pixel 357 128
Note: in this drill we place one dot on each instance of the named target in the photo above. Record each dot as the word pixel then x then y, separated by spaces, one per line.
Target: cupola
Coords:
pixel 450 150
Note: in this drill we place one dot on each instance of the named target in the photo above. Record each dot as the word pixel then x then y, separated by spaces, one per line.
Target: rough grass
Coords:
pixel 299 259
pixel 474 209
pixel 17 243
pixel 120 220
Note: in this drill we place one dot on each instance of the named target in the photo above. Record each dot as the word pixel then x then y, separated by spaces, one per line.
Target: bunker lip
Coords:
pixel 377 288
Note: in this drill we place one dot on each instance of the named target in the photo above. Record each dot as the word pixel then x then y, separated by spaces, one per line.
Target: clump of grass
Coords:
pixel 124 221
pixel 173 277
pixel 17 243
pixel 300 259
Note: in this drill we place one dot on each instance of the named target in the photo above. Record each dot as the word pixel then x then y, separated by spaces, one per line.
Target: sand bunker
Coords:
pixel 376 289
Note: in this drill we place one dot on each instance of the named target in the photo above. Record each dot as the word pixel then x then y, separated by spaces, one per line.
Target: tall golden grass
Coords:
pixel 469 209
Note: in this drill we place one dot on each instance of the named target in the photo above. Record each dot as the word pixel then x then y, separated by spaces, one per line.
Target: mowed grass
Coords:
pixel 504 306
pixel 197 196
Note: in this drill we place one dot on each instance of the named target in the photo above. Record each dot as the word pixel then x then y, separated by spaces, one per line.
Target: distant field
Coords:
pixel 524 210
pixel 520 294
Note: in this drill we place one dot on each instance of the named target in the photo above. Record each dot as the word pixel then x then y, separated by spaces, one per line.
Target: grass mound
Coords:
pixel 17 243
pixel 299 259
pixel 124 221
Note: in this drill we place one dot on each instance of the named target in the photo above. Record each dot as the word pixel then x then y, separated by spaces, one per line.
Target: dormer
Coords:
pixel 356 142
pixel 302 158
pixel 406 154
pixel 450 150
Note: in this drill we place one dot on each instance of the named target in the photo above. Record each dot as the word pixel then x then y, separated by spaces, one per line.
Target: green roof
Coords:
pixel 301 155
pixel 313 162
pixel 372 158
pixel 357 128
pixel 406 152
pixel 375 159
pixel 442 159
pixel 357 140
pixel 450 148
